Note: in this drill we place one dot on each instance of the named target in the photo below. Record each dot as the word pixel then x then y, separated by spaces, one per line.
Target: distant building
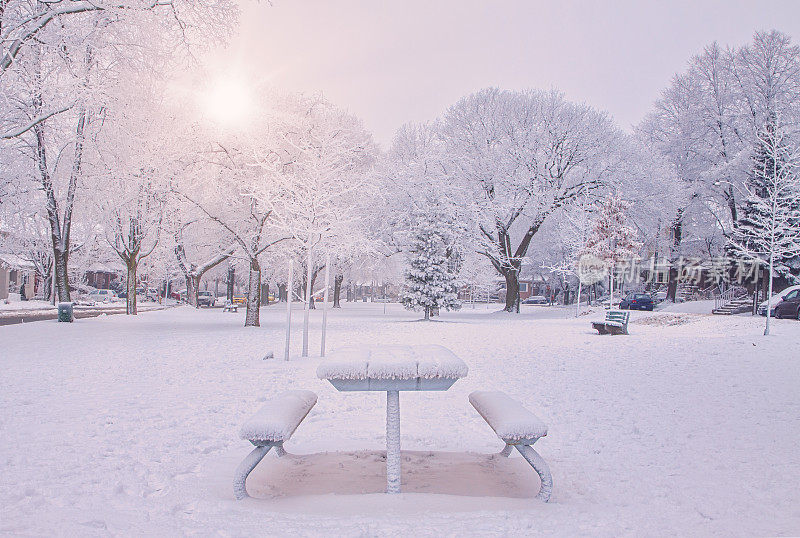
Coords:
pixel 102 276
pixel 528 287
pixel 16 273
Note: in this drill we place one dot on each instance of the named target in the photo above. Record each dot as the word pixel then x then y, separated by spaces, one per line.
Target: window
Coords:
pixel 523 287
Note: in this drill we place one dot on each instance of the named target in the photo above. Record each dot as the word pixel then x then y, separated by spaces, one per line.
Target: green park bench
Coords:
pixel 616 322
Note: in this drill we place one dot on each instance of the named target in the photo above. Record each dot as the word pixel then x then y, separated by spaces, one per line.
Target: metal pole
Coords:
pixel 392 441
pixel 325 304
pixel 289 284
pixel 53 283
pixel 307 304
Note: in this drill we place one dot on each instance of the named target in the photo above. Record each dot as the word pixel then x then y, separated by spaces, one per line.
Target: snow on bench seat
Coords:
pixel 392 362
pixel 279 417
pixel 271 426
pixel 507 417
pixel 518 428
pixel 616 322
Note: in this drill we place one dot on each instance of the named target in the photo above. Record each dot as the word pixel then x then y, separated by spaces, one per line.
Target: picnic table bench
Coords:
pixel 616 322
pixel 271 426
pixel 230 307
pixel 516 427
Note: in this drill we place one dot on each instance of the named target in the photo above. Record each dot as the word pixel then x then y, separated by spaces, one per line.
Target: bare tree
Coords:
pixel 520 157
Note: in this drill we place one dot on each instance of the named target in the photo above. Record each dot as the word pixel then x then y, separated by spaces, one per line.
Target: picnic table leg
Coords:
pixel 392 441
pixel 244 469
pixel 541 468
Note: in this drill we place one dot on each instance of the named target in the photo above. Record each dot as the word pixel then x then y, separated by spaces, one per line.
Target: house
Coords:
pixel 14 274
pixel 102 276
pixel 528 287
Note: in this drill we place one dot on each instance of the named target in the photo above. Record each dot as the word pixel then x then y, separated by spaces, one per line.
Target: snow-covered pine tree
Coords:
pixel 612 239
pixel 769 231
pixel 430 284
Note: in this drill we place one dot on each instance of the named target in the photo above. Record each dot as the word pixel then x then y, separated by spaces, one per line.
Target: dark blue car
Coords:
pixel 636 301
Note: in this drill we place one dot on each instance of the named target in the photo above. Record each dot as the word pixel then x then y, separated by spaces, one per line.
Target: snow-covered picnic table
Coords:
pixel 392 369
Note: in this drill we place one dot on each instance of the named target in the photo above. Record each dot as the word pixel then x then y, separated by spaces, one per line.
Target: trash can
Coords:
pixel 65 312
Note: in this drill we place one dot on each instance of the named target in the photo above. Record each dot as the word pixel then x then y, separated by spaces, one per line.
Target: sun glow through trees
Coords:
pixel 228 102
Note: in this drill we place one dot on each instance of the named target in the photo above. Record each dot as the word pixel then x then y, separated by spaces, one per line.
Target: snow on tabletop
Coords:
pixel 279 417
pixel 345 363
pixel 392 362
pixel 507 417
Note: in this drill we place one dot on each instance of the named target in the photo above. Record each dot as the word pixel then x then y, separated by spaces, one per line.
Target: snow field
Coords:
pixel 128 426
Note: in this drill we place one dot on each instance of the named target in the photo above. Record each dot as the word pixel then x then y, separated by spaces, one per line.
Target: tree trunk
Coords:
pixel 337 290
pixel 47 288
pixel 130 300
pixel 192 287
pixel 512 290
pixel 672 284
pixel 62 278
pixel 677 237
pixel 230 283
pixel 282 292
pixel 253 295
pixel 427 313
pixel 731 199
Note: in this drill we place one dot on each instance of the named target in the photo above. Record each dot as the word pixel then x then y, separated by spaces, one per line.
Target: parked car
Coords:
pixel 604 301
pixel 80 293
pixel 535 299
pixel 153 294
pixel 101 296
pixel 238 299
pixel 789 307
pixel 776 300
pixel 659 296
pixel 205 298
pixel 141 294
pixel 636 301
pixel 178 295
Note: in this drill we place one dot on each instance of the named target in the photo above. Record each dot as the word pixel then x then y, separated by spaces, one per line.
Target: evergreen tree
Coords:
pixel 772 167
pixel 769 232
pixel 431 285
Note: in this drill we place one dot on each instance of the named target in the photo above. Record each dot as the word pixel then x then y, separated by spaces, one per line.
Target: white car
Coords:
pixel 205 298
pixel 776 299
pixel 101 296
pixel 536 299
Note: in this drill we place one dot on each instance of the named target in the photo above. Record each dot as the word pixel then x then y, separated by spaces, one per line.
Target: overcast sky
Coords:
pixel 399 61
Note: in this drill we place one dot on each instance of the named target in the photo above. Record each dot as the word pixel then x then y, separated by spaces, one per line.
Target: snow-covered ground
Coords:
pixel 128 426
pixel 690 307
pixel 20 308
pixel 16 306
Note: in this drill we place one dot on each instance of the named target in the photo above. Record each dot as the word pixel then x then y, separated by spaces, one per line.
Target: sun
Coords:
pixel 228 102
